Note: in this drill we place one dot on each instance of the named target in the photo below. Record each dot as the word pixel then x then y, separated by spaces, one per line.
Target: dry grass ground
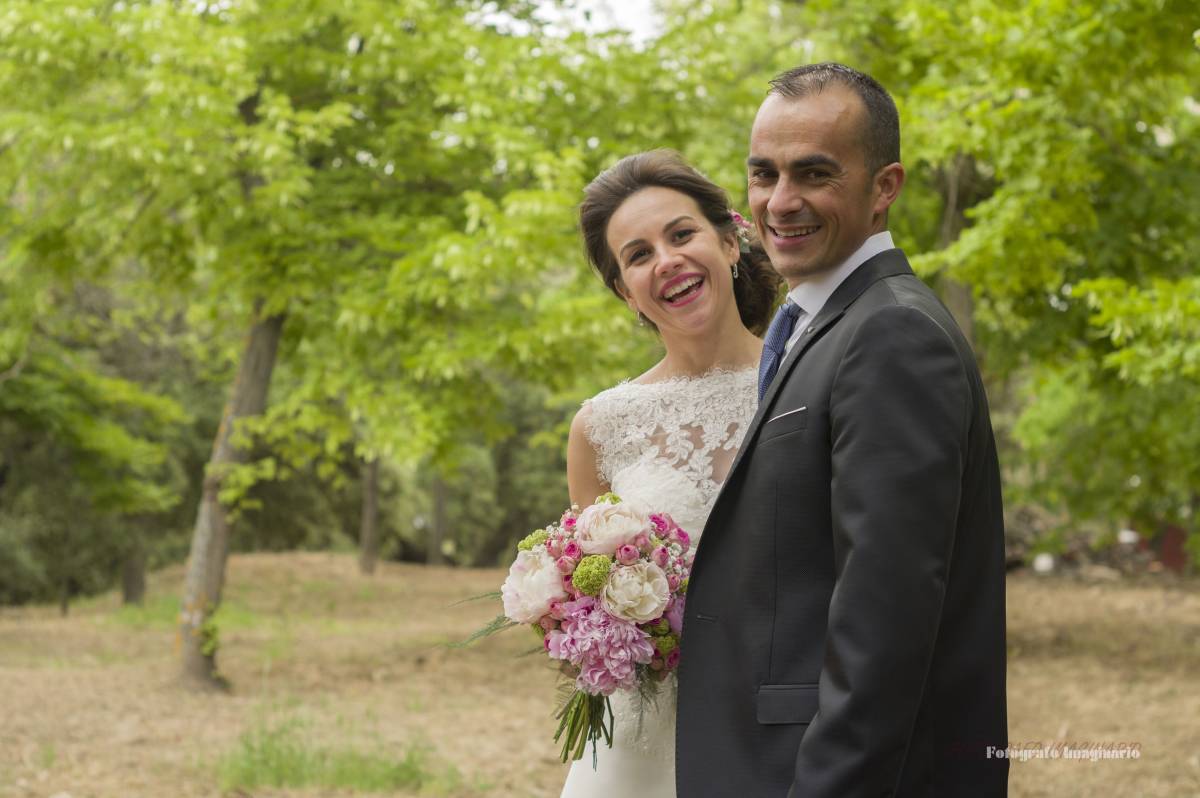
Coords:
pixel 90 705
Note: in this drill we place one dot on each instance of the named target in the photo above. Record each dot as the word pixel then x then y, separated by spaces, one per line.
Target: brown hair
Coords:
pixel 757 285
pixel 881 133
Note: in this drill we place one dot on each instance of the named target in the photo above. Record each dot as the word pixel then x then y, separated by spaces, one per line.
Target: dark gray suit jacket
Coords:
pixel 844 629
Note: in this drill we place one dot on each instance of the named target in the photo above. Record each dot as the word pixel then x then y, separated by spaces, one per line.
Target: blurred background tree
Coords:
pixel 280 277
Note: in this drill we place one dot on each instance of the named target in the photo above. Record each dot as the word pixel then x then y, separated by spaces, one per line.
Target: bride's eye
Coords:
pixel 637 255
pixel 683 235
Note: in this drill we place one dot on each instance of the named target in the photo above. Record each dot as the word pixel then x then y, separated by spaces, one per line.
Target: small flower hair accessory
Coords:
pixel 743 230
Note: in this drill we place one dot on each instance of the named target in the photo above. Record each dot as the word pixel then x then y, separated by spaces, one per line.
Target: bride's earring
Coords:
pixel 641 319
pixel 735 269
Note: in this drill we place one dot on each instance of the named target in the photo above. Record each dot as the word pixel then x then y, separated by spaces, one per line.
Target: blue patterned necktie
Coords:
pixel 777 337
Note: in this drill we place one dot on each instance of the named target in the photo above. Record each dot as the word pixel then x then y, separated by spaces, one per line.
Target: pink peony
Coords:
pixel 606 650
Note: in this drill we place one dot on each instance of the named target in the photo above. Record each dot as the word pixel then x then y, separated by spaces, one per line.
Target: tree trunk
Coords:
pixel 512 523
pixel 210 538
pixel 133 575
pixel 437 530
pixel 368 536
pixel 957 195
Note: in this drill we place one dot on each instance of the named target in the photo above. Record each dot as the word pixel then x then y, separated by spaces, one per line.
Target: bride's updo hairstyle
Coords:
pixel 757 285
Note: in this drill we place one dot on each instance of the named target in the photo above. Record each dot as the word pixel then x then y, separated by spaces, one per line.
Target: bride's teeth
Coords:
pixel 679 289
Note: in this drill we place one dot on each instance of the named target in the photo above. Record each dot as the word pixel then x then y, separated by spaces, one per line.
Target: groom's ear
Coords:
pixel 888 182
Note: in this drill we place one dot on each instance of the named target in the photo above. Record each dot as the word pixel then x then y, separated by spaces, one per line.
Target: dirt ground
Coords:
pixel 90 705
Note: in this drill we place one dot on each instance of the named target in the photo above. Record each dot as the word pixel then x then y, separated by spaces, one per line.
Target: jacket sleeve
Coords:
pixel 901 409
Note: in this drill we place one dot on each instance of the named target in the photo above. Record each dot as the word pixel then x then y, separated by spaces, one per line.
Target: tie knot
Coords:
pixel 792 309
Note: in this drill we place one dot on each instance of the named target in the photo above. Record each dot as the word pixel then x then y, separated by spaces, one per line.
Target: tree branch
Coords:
pixel 14 371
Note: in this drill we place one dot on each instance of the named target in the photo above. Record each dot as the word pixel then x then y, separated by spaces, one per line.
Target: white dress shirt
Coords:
pixel 811 295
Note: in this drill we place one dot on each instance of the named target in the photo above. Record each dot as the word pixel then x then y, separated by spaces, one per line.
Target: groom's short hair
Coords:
pixel 881 136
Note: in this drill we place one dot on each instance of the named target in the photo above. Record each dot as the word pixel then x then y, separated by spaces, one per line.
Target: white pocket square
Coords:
pixel 788 413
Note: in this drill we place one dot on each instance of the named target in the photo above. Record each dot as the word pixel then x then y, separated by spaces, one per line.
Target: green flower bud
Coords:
pixel 608 498
pixel 660 628
pixel 683 585
pixel 591 574
pixel 534 538
pixel 666 644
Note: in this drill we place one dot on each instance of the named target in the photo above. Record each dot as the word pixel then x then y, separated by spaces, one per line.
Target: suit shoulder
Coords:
pixel 906 301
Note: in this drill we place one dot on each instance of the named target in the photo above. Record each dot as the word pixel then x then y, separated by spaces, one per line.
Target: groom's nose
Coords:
pixel 786 199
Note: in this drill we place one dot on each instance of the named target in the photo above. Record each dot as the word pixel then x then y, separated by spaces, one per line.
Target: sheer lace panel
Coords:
pixel 671 443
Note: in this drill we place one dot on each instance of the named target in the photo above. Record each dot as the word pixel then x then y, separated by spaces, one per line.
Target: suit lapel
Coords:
pixel 886 264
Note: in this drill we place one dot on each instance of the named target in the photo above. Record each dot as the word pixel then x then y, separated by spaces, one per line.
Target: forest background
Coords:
pixel 306 275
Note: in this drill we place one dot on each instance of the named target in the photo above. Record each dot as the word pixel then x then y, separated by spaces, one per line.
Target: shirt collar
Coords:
pixel 811 295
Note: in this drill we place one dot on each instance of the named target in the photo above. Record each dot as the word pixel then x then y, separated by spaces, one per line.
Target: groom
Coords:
pixel 845 615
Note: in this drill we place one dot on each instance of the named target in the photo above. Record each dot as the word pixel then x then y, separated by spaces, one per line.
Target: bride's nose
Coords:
pixel 669 260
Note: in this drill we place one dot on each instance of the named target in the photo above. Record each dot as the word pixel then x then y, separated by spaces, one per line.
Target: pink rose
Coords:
pixel 673 581
pixel 660 523
pixel 673 659
pixel 547 623
pixel 642 541
pixel 661 556
pixel 683 538
pixel 566 565
pixel 568 585
pixel 555 547
pixel 628 554
pixel 557 611
pixel 573 550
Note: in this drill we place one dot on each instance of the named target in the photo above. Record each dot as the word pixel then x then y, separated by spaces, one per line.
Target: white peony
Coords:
pixel 533 582
pixel 637 592
pixel 603 528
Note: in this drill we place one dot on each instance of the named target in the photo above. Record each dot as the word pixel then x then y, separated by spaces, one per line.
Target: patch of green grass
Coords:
pixel 282 755
pixel 163 612
pixel 47 756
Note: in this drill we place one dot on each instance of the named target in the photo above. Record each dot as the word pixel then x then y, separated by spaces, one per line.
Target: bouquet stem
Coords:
pixel 584 719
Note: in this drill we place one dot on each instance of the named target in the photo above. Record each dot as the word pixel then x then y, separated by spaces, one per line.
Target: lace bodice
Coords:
pixel 670 444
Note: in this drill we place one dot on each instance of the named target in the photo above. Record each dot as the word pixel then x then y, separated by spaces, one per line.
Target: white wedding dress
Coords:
pixel 668 445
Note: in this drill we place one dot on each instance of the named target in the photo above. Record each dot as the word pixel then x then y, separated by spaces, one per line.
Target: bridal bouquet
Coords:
pixel 604 591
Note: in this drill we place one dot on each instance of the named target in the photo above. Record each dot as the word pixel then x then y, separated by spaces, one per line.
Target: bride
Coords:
pixel 664 240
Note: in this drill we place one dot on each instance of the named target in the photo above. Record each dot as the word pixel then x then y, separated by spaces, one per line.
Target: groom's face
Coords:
pixel 810 190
